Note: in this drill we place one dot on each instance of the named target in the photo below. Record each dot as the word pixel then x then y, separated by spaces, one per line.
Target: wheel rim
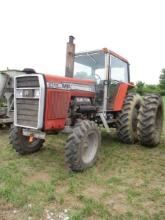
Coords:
pixel 90 146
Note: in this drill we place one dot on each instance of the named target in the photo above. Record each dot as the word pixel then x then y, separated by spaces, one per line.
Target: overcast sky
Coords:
pixel 34 33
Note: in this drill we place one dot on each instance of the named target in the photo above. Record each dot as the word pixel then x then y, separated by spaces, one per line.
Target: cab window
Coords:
pixel 119 70
pixel 90 66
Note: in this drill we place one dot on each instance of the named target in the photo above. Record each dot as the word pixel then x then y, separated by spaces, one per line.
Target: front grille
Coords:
pixel 26 82
pixel 27 108
pixel 27 112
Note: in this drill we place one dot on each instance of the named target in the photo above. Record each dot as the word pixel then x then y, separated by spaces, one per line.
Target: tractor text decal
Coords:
pixel 71 86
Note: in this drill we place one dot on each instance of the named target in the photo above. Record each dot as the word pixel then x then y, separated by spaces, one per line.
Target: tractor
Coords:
pixel 96 92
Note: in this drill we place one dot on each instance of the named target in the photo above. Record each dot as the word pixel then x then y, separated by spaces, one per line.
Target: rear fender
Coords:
pixel 120 96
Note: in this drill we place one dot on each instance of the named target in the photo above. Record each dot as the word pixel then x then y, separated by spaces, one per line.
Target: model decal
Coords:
pixel 71 86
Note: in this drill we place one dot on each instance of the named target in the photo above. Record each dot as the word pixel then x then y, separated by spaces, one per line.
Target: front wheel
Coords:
pixel 83 145
pixel 22 144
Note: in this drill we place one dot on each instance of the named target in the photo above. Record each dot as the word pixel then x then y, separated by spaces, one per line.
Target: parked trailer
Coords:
pixel 7 95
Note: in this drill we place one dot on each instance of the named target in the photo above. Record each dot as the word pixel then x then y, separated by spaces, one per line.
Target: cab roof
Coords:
pixel 103 50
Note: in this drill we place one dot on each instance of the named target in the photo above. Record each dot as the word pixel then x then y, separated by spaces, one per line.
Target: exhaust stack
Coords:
pixel 70 52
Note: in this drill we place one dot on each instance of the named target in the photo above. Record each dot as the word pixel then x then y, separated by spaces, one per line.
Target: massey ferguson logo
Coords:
pixel 71 86
pixel 54 85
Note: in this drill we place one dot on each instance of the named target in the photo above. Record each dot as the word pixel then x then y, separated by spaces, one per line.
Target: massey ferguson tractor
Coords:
pixel 94 93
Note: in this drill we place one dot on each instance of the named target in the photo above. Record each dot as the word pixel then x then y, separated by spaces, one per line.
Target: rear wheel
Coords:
pixel 83 145
pixel 21 143
pixel 150 120
pixel 127 119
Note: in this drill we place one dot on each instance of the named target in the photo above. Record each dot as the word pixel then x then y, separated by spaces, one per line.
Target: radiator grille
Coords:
pixel 25 82
pixel 27 112
pixel 59 102
pixel 27 109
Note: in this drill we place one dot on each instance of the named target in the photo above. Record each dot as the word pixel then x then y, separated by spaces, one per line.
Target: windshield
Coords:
pixel 90 66
pixel 119 69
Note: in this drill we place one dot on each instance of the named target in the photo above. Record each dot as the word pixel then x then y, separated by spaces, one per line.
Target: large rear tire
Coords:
pixel 150 120
pixel 127 119
pixel 83 145
pixel 21 143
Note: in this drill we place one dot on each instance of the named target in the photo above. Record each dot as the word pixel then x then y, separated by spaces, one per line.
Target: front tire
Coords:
pixel 127 119
pixel 21 143
pixel 83 145
pixel 150 120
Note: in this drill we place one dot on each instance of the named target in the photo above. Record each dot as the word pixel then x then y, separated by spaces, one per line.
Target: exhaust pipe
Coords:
pixel 70 52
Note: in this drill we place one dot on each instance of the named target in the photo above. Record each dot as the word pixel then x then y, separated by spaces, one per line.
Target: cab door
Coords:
pixel 118 74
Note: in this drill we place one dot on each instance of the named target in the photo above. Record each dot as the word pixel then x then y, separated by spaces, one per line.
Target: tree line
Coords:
pixel 143 88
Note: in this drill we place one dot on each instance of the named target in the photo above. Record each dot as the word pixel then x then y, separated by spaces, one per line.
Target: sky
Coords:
pixel 33 33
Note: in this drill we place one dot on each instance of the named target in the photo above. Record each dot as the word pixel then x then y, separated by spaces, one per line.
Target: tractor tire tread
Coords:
pixel 72 153
pixel 146 120
pixel 124 131
pixel 18 143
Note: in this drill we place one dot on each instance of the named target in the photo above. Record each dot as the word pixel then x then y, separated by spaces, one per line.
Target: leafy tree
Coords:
pixel 162 79
pixel 143 88
pixel 140 87
pixel 140 84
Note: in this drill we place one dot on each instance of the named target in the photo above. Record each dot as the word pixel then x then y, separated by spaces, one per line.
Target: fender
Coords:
pixel 120 96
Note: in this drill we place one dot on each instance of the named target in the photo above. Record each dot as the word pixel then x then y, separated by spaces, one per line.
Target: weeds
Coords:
pixel 127 182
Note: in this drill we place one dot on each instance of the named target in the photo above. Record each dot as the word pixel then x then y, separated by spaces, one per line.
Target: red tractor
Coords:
pixel 95 92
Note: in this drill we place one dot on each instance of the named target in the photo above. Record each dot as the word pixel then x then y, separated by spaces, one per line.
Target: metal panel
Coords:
pixel 3 80
pixel 59 101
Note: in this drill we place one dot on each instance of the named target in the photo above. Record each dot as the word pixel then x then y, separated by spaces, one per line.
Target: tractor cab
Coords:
pixel 108 69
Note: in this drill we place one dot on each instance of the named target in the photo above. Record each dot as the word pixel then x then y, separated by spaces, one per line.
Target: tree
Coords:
pixel 143 88
pixel 140 87
pixel 162 79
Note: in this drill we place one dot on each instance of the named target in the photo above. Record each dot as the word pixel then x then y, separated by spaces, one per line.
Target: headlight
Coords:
pixel 27 93
pixel 36 93
pixel 19 93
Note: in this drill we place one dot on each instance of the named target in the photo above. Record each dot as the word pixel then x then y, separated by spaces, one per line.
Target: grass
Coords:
pixel 127 182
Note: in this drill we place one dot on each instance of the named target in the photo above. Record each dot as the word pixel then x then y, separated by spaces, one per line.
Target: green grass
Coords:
pixel 127 182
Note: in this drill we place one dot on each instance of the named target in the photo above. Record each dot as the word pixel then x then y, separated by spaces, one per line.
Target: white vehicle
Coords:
pixel 7 94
